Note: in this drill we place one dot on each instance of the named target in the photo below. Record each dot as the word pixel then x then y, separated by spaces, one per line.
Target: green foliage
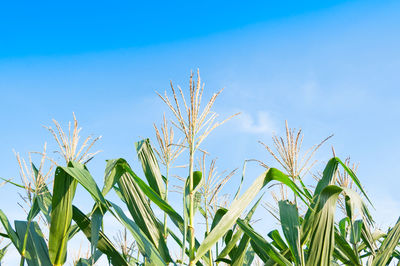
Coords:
pixel 316 236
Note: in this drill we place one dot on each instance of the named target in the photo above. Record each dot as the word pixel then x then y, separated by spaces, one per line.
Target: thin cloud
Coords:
pixel 261 123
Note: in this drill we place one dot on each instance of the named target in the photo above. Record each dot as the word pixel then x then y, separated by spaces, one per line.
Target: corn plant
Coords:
pixel 315 237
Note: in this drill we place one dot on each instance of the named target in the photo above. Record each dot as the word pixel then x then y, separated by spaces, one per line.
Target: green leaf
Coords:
pixel 82 175
pixel 3 251
pixel 354 178
pixel 355 232
pixel 10 231
pixel 150 166
pixel 250 254
pixel 353 202
pixel 343 226
pixel 147 248
pixel 217 217
pixel 111 175
pixel 327 176
pixel 289 217
pixel 90 261
pixel 322 229
pixel 240 254
pixel 264 248
pixel 61 215
pixel 367 239
pixel 35 209
pixel 240 204
pixel 244 254
pixel 388 246
pixel 97 219
pixel 277 240
pixel 140 209
pixel 241 180
pixel 36 247
pixel 123 167
pixel 326 180
pixel 259 251
pixel 103 244
pixel 239 232
pixel 344 251
pixel 151 194
pixel 197 181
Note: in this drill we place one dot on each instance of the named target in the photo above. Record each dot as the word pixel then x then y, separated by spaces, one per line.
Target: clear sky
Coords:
pixel 325 66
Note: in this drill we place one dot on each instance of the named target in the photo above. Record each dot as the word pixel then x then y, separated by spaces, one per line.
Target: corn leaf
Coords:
pixel 140 209
pixel 264 248
pixel 150 166
pixel 103 244
pixel 388 246
pixel 289 217
pixel 241 203
pixel 239 232
pixel 322 230
pixel 12 235
pixel 277 240
pixel 90 261
pixel 82 175
pixel 96 221
pixel 344 251
pixel 36 247
pixel 146 247
pixel 61 215
pixel 123 167
pixel 3 251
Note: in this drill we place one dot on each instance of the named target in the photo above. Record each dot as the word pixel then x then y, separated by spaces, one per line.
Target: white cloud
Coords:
pixel 261 123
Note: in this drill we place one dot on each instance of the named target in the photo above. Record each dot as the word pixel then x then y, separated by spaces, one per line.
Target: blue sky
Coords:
pixel 325 66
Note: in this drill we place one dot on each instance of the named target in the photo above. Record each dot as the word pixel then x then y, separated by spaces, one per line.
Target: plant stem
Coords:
pixel 166 200
pixel 208 229
pixel 191 207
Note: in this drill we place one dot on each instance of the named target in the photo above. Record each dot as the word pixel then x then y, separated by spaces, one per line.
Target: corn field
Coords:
pixel 326 223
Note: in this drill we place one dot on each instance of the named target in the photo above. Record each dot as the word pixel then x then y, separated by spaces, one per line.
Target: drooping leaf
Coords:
pixel 82 175
pixel 322 239
pixel 150 166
